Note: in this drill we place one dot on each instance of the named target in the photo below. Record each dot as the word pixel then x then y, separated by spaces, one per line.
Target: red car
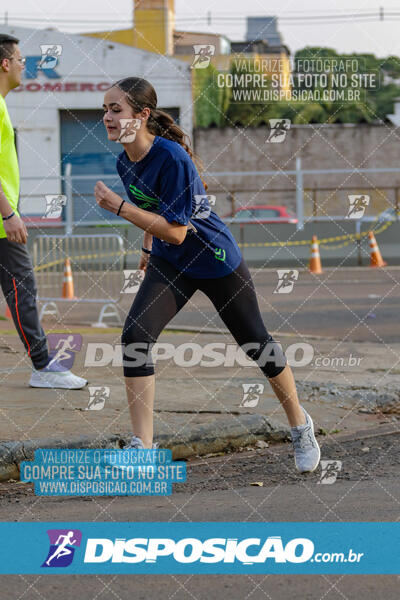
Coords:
pixel 263 213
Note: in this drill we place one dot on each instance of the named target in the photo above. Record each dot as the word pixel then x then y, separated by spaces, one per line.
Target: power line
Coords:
pixel 94 25
pixel 240 14
pixel 378 15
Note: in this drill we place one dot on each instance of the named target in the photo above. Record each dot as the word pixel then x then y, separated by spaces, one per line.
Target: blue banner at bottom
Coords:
pixel 200 548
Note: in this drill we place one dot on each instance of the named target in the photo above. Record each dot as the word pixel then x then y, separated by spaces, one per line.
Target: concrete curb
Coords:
pixel 224 434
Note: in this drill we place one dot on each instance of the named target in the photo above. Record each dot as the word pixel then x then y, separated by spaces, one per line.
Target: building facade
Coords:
pixel 57 112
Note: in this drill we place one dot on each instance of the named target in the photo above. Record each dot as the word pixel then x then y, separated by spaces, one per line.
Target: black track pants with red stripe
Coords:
pixel 17 281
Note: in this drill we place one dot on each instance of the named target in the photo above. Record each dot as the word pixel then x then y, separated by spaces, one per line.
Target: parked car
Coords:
pixel 262 213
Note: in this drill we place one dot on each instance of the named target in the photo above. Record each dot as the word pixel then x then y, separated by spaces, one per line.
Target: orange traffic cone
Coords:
pixel 8 314
pixel 376 256
pixel 68 283
pixel 315 259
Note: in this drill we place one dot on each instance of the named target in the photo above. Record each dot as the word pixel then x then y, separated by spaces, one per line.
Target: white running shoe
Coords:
pixel 136 442
pixel 55 376
pixel 306 449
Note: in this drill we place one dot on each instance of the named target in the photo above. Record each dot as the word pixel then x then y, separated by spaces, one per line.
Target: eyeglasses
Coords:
pixel 21 60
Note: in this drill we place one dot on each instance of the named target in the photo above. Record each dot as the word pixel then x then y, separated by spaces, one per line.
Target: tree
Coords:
pixel 219 106
pixel 210 101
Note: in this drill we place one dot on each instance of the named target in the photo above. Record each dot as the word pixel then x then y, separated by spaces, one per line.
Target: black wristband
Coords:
pixel 146 251
pixel 9 216
pixel 119 210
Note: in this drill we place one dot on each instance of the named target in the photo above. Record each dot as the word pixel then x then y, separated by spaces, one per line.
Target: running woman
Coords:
pixel 16 274
pixel 182 253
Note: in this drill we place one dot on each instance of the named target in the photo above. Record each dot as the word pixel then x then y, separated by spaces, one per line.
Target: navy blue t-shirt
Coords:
pixel 166 182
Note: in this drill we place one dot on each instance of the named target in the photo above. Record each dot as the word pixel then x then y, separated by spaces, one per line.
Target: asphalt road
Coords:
pixel 355 305
pixel 367 462
pixel 219 489
pixel 352 304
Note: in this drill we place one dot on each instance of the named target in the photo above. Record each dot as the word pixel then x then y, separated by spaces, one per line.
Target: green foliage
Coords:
pixel 214 106
pixel 210 101
pixel 242 113
pixel 378 103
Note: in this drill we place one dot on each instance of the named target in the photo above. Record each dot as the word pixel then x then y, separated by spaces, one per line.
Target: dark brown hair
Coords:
pixel 7 45
pixel 141 94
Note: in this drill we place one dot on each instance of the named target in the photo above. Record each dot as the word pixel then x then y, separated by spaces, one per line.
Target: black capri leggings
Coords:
pixel 162 294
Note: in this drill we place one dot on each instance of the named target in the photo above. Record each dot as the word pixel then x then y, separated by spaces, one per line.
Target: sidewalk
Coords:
pixel 197 408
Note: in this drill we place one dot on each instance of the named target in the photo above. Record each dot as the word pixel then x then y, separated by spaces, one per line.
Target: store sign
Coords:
pixel 64 86
pixel 32 70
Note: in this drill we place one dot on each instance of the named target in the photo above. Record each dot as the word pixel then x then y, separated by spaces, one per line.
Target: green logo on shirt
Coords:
pixel 146 201
pixel 220 254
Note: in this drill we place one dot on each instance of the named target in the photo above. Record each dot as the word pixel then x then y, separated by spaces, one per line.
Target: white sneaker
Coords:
pixel 307 452
pixel 55 376
pixel 136 443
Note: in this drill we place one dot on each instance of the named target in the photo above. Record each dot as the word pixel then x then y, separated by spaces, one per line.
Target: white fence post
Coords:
pixel 69 209
pixel 299 194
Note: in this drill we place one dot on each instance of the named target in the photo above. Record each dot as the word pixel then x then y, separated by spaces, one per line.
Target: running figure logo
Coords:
pixel 129 128
pixel 329 471
pixel 62 547
pixel 50 56
pixel 54 206
pixel 132 282
pixel 203 205
pixel 97 397
pixel 279 129
pixel 358 204
pixel 202 55
pixel 251 394
pixel 62 348
pixel 287 279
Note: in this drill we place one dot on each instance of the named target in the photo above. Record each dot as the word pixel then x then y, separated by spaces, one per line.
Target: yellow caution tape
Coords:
pixel 84 257
pixel 358 236
pixel 349 237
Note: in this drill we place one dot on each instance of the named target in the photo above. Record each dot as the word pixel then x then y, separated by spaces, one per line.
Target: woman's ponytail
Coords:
pixel 162 124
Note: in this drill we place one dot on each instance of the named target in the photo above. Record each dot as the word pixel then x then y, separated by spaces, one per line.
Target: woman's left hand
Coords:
pixel 106 198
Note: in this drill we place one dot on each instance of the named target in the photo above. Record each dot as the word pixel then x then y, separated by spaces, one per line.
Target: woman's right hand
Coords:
pixel 143 261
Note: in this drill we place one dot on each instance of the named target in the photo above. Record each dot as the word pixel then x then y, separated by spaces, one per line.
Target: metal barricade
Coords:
pixel 97 263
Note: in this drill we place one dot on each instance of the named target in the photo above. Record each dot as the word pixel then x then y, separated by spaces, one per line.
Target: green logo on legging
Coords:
pixel 220 254
pixel 146 201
